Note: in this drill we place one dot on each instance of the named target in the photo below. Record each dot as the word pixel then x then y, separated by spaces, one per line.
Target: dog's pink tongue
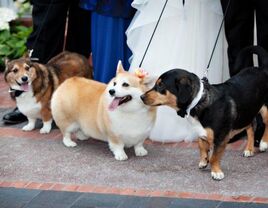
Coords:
pixel 25 87
pixel 114 104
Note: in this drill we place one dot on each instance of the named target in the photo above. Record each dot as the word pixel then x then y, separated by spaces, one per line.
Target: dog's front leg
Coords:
pixel 204 149
pixel 117 147
pixel 31 124
pixel 47 120
pixel 140 150
pixel 216 171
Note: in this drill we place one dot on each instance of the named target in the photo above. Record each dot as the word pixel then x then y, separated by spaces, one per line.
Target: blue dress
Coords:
pixel 109 21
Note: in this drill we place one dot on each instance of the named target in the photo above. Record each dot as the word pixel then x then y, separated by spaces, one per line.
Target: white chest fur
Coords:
pixel 197 128
pixel 131 128
pixel 27 104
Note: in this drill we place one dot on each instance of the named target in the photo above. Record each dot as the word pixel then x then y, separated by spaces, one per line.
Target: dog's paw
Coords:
pixel 248 153
pixel 263 146
pixel 202 164
pixel 69 143
pixel 45 130
pixel 217 175
pixel 121 156
pixel 28 127
pixel 141 151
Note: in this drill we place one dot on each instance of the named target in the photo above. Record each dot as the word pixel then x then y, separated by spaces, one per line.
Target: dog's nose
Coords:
pixel 143 97
pixel 112 92
pixel 24 78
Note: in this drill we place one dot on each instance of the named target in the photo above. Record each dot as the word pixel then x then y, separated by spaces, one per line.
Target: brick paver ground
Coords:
pixel 34 168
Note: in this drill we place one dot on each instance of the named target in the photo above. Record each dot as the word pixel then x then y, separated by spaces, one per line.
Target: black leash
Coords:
pixel 153 33
pixel 38 33
pixel 216 41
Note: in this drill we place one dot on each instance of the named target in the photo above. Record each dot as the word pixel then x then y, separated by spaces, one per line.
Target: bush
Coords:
pixel 13 42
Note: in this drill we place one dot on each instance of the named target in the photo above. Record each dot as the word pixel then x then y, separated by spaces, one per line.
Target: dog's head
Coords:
pixel 175 88
pixel 125 89
pixel 20 73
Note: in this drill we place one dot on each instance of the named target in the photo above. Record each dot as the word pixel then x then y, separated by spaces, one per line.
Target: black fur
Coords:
pixel 224 107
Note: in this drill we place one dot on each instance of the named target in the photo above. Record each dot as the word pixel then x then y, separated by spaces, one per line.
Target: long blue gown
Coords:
pixel 109 21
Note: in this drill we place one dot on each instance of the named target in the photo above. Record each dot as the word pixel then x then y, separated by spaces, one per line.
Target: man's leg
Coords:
pixel 49 20
pixel 79 30
pixel 239 26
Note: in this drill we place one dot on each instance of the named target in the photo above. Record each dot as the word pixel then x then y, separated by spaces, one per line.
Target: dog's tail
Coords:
pixel 245 57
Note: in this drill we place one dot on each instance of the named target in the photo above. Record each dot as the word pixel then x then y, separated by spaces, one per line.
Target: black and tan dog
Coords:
pixel 32 84
pixel 220 110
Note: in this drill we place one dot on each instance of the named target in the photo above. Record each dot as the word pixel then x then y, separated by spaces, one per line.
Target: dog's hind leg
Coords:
pixel 67 131
pixel 249 150
pixel 264 140
pixel 67 141
pixel 204 149
pixel 117 148
pixel 140 150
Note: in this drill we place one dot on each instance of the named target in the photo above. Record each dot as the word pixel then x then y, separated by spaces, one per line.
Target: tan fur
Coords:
pixel 83 108
pixel 81 105
pixel 155 98
pixel 249 150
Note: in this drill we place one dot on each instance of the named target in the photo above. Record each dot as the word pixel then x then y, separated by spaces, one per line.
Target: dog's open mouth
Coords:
pixel 119 101
pixel 24 86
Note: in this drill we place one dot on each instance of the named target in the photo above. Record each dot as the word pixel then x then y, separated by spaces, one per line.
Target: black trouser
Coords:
pixel 239 26
pixel 51 17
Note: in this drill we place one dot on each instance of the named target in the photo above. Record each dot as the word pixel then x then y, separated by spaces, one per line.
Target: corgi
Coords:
pixel 113 113
pixel 32 84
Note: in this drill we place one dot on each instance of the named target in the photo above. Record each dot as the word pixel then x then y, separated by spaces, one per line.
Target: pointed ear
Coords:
pixel 26 54
pixel 120 67
pixel 184 89
pixel 149 81
pixel 6 60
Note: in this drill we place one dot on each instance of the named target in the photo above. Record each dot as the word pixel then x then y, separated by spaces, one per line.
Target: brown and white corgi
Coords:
pixel 32 84
pixel 114 113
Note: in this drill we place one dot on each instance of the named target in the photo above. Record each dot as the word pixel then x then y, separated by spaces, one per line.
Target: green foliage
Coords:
pixel 13 42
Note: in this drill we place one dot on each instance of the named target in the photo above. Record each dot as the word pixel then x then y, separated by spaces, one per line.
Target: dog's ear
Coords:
pixel 184 89
pixel 149 81
pixel 6 61
pixel 120 67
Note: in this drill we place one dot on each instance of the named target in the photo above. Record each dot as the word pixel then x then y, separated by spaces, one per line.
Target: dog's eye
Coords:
pixel 125 84
pixel 161 88
pixel 114 83
pixel 27 68
pixel 15 70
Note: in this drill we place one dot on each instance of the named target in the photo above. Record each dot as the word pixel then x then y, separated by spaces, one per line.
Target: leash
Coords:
pixel 215 44
pixel 153 33
pixel 38 33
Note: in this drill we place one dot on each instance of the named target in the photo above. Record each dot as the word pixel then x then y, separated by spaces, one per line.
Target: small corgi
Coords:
pixel 113 113
pixel 32 84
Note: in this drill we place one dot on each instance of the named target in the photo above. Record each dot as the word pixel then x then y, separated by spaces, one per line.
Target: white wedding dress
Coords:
pixel 183 39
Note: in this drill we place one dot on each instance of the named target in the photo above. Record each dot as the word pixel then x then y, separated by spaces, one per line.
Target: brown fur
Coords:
pixel 45 78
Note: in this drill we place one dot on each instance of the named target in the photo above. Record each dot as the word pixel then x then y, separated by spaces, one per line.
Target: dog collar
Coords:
pixel 196 99
pixel 15 93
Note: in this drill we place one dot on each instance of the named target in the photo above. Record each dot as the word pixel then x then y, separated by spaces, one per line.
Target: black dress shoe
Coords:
pixel 14 117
